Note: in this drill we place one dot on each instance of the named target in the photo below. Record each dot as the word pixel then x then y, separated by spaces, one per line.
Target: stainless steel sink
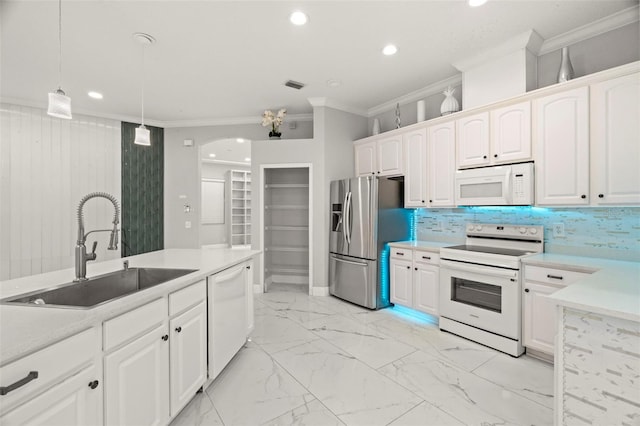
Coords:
pixel 100 289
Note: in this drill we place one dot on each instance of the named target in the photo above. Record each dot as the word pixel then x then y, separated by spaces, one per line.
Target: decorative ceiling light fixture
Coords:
pixel 59 102
pixel 143 135
pixel 389 50
pixel 476 3
pixel 298 18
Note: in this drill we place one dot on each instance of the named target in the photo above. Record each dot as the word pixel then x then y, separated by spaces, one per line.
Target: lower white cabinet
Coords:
pixel 538 311
pixel 137 381
pixel 415 276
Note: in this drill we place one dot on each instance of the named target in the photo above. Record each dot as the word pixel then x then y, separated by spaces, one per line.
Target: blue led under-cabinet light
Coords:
pixel 384 275
pixel 413 315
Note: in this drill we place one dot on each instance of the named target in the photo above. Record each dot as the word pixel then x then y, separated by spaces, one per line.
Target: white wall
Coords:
pixel 46 166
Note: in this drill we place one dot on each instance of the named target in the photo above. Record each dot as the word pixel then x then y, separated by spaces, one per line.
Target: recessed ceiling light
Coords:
pixel 247 159
pixel 240 140
pixel 476 3
pixel 333 82
pixel 389 50
pixel 298 18
pixel 212 155
pixel 95 95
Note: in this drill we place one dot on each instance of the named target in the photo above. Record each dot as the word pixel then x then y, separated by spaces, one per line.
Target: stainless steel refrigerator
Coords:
pixel 366 213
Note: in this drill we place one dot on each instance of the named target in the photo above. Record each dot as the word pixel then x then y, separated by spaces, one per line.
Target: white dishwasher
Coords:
pixel 227 316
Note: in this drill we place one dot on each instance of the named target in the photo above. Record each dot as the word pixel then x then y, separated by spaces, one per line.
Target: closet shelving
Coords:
pixel 239 210
pixel 286 225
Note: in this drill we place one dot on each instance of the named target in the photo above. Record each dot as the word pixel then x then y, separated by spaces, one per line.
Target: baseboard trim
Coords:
pixel 291 279
pixel 320 291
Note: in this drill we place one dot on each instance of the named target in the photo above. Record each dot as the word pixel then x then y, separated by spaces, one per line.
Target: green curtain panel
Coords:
pixel 142 192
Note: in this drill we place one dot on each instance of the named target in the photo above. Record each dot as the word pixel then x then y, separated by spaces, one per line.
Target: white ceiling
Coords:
pixel 225 60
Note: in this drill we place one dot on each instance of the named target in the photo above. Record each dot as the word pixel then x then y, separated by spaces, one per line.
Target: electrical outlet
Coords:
pixel 558 229
pixel 187 224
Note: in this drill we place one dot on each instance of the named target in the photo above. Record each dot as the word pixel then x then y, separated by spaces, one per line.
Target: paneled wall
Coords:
pixel 46 166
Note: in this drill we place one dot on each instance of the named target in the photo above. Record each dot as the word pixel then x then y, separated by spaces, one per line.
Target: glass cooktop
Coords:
pixel 492 250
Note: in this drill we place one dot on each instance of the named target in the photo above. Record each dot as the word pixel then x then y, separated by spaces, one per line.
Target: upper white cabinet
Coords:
pixel 382 157
pixel 615 141
pixel 562 148
pixel 415 182
pixel 502 135
pixel 473 140
pixel 511 133
pixel 441 161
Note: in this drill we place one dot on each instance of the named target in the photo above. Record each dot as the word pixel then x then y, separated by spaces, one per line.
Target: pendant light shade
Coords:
pixel 59 105
pixel 59 102
pixel 143 136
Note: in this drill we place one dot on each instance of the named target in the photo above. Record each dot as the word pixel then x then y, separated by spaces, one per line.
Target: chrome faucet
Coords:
pixel 81 250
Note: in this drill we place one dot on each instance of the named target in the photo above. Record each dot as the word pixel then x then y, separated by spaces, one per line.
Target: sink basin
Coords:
pixel 100 289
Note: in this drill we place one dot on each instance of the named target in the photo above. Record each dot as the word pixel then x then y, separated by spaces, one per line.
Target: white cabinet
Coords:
pixel 188 355
pixel 562 148
pixel 137 381
pixel 59 385
pixel 415 279
pixel 415 179
pixel 473 140
pixel 441 164
pixel 227 316
pixel 538 311
pixel 511 133
pixel 615 141
pixel 380 157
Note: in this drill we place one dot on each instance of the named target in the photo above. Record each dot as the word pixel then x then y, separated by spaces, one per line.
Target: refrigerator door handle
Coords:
pixel 343 218
pixel 347 222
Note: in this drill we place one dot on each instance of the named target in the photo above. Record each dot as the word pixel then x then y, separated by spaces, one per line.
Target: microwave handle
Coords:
pixel 508 185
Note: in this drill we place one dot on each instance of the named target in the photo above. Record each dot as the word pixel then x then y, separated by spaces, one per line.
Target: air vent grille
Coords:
pixel 294 84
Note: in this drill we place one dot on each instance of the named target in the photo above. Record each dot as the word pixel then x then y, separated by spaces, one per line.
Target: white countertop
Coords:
pixel 24 329
pixel 432 246
pixel 612 288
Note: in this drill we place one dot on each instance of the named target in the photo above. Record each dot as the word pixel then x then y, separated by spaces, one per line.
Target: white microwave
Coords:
pixel 508 185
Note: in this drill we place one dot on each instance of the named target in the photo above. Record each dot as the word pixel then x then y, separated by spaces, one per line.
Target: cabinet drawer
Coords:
pixel 133 323
pixel 189 296
pixel 552 275
pixel 401 253
pixel 426 257
pixel 52 365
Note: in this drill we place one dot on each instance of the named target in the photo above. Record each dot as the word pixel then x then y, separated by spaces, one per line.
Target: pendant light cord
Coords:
pixel 143 84
pixel 59 44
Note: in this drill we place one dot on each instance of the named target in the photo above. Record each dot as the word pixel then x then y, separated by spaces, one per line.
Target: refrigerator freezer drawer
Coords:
pixel 354 280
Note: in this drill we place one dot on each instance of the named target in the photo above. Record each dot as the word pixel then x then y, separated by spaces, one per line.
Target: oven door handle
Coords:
pixel 478 269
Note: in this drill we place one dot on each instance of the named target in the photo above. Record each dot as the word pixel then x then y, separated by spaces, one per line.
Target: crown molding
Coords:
pixel 530 40
pixel 416 95
pixel 601 26
pixel 331 103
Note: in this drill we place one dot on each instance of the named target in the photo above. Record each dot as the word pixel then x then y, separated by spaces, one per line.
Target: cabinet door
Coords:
pixel 137 381
pixel 72 402
pixel 188 355
pixel 415 179
pixel 562 148
pixel 615 141
pixel 390 156
pixel 250 314
pixel 473 140
pixel 511 133
pixel 441 165
pixel 365 154
pixel 401 284
pixel 426 281
pixel 539 317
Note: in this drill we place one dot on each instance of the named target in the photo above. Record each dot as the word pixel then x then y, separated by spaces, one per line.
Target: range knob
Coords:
pixel 533 231
pixel 522 230
pixel 469 228
pixel 478 227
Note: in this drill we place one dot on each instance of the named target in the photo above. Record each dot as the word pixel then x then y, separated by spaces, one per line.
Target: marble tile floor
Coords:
pixel 322 361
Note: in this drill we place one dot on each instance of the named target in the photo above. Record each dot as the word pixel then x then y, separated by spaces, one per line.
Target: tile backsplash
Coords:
pixel 612 233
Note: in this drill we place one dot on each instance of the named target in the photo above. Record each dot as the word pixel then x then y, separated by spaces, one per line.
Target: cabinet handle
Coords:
pixel 94 384
pixel 495 155
pixel 248 267
pixel 373 173
pixel 583 196
pixel 178 329
pixel 426 257
pixel 431 201
pixel 408 267
pixel 6 389
pixel 399 254
pixel 416 269
pixel 600 195
pixel 484 156
pixel 378 172
pixel 165 337
pixel 423 201
pixel 526 290
pixel 555 277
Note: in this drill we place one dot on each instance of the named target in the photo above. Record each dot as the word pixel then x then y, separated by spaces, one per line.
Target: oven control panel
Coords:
pixel 511 232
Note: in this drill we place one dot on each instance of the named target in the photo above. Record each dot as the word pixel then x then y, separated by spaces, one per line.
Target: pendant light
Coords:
pixel 59 102
pixel 143 135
